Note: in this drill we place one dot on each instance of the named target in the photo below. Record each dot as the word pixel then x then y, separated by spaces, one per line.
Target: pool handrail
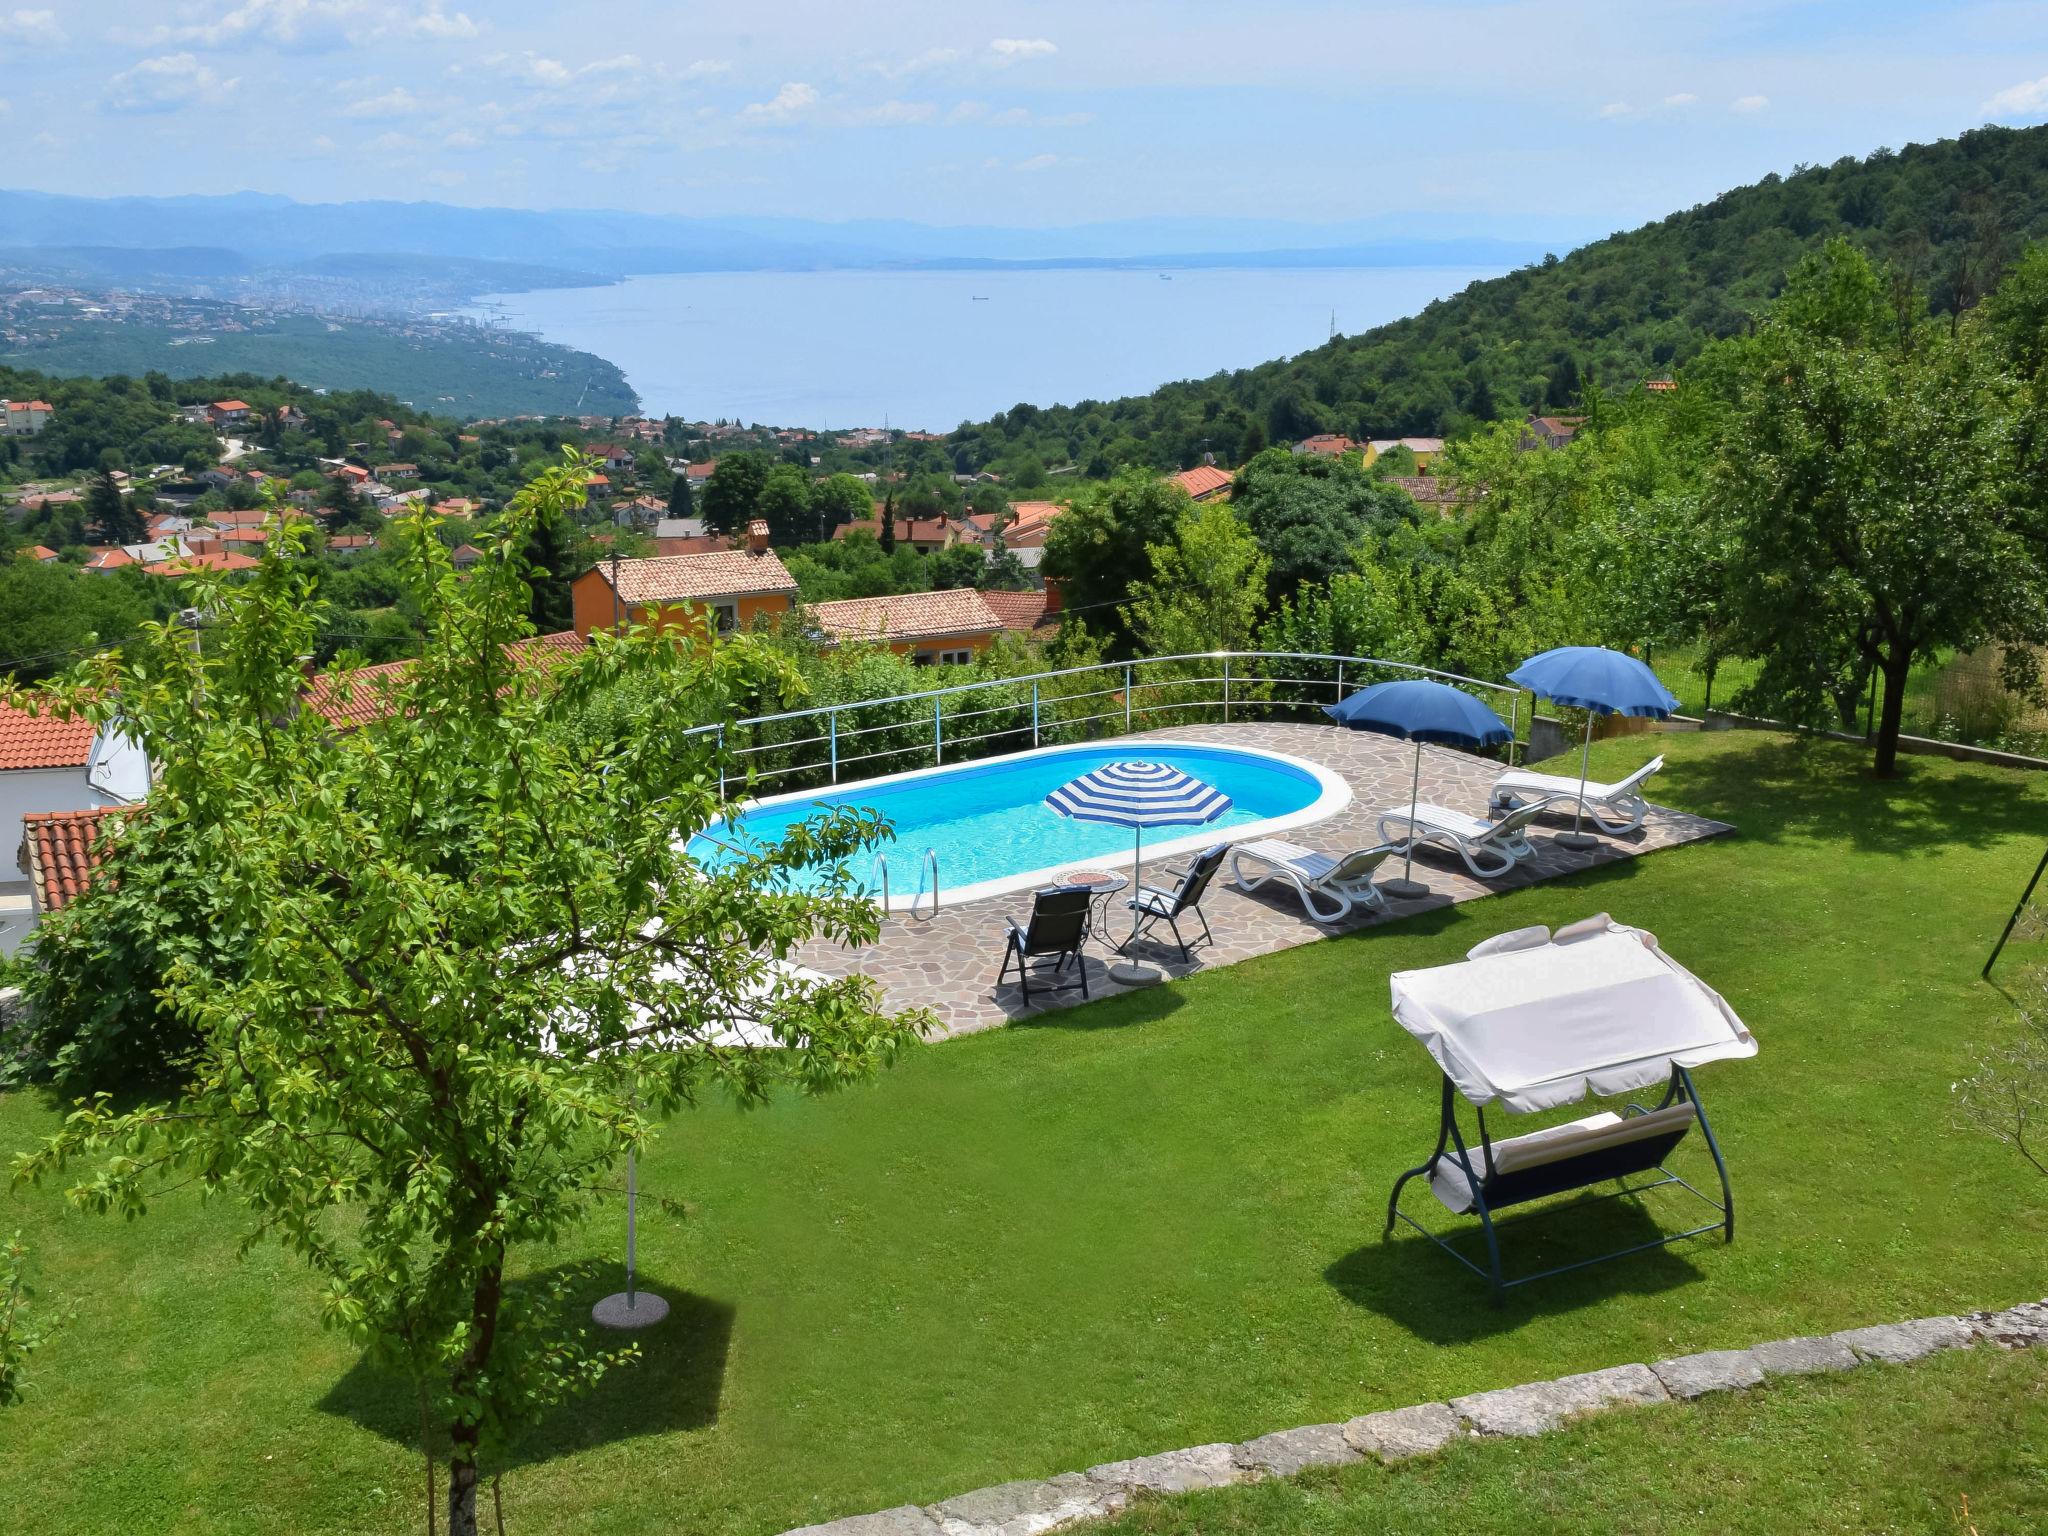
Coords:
pixel 836 735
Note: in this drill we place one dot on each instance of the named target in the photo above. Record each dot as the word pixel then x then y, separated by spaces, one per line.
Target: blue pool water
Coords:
pixel 989 821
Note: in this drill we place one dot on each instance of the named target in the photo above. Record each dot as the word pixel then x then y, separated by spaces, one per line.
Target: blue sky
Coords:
pixel 1474 115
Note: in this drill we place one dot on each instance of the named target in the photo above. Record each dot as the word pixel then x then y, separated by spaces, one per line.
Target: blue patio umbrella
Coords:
pixel 1417 709
pixel 1601 682
pixel 1138 794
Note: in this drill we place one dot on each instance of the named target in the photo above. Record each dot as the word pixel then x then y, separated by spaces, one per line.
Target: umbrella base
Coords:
pixel 1404 890
pixel 1128 973
pixel 1578 842
pixel 643 1309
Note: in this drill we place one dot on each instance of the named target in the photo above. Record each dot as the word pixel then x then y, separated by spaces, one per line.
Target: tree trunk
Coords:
pixel 462 1485
pixel 463 1435
pixel 1886 763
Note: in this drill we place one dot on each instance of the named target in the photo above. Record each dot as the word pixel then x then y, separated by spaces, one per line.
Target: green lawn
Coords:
pixel 1149 1223
pixel 1884 1448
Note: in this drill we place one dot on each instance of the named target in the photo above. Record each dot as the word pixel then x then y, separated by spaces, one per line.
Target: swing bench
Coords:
pixel 1532 1021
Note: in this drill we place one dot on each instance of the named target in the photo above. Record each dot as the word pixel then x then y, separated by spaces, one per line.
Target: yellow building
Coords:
pixel 727 588
pixel 929 627
pixel 1424 449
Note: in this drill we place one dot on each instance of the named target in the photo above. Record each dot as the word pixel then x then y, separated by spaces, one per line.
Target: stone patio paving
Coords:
pixel 948 963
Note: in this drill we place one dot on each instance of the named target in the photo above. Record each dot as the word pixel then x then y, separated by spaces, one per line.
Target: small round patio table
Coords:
pixel 1103 883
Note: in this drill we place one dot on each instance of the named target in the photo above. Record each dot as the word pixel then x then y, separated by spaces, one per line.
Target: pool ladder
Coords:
pixel 929 868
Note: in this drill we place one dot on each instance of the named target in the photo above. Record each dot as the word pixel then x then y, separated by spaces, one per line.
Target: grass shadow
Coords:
pixel 1415 1285
pixel 675 1384
pixel 1794 788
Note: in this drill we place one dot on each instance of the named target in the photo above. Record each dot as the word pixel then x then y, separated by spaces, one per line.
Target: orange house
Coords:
pixel 945 628
pixel 730 587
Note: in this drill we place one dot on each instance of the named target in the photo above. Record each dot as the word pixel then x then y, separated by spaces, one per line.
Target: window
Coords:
pixel 955 658
pixel 726 616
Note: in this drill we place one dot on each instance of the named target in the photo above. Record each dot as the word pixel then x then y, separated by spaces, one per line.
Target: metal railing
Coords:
pixel 808 748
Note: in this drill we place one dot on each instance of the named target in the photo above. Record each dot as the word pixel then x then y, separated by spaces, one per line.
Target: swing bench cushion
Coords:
pixel 1598 1010
pixel 1562 1157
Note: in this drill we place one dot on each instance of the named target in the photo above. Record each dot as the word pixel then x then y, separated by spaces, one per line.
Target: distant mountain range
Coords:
pixel 250 236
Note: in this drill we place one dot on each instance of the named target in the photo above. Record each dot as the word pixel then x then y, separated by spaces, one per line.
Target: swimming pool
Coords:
pixel 993 832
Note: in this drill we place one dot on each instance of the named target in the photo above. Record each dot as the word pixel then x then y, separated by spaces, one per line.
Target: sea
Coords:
pixel 930 350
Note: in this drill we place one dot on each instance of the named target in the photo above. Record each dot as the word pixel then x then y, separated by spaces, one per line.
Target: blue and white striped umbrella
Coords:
pixel 1138 795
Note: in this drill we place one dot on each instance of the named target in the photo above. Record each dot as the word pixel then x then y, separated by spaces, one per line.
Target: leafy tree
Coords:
pixel 679 502
pixel 734 491
pixel 481 967
pixel 1207 587
pixel 839 500
pixel 1360 613
pixel 22 1331
pixel 1866 492
pixel 888 529
pixel 958 565
pixel 113 520
pixel 785 502
pixel 50 613
pixel 552 560
pixel 1101 546
pixel 341 508
pixel 1310 515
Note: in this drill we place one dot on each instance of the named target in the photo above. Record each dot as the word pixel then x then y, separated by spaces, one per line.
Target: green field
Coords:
pixel 1154 1222
pixel 1956 1445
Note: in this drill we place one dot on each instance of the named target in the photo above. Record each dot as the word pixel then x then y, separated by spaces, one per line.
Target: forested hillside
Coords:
pixel 1947 216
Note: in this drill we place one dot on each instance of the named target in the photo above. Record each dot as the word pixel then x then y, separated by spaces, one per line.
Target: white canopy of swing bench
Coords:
pixel 1533 1020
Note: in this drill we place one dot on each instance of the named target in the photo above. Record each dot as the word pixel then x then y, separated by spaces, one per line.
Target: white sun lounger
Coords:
pixel 1332 887
pixel 1489 848
pixel 1613 808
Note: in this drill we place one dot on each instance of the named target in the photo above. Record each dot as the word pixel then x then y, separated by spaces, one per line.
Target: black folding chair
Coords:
pixel 1153 905
pixel 1059 924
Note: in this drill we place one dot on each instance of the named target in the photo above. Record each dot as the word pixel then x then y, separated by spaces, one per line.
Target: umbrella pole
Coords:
pixel 1576 838
pixel 1127 972
pixel 630 1308
pixel 1408 888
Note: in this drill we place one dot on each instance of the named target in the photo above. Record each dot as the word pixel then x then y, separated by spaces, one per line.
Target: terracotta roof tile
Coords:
pixel 909 616
pixel 692 578
pixel 367 696
pixel 60 850
pixel 43 741
pixel 1021 611
pixel 1203 480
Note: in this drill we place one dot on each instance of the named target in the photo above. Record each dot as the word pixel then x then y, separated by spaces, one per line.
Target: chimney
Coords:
pixel 1053 599
pixel 757 537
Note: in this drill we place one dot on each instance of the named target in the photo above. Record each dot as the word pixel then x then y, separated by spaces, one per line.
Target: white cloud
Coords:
pixel 165 84
pixel 1014 50
pixel 397 102
pixel 930 59
pixel 1616 109
pixel 462 138
pixel 2027 99
pixel 1037 163
pixel 31 27
pixel 294 23
pixel 1022 117
pixel 1749 103
pixel 893 114
pixel 794 100
pixel 1681 99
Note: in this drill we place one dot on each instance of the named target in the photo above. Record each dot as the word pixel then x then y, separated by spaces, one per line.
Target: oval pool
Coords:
pixel 993 832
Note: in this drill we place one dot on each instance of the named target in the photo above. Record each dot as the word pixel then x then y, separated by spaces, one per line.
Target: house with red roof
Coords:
pixel 726 589
pixel 1549 431
pixel 48 764
pixel 110 560
pixel 1326 445
pixel 1205 482
pixel 40 552
pixel 59 852
pixel 228 413
pixel 923 534
pixel 931 628
pixel 351 700
pixel 197 560
pixel 25 418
